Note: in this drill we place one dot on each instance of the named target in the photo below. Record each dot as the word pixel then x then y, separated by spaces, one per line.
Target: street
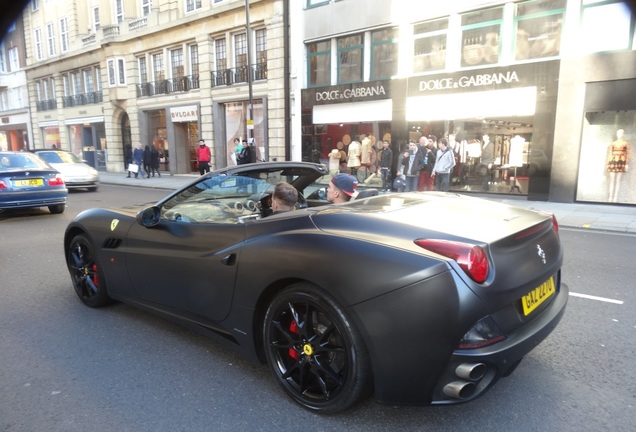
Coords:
pixel 66 367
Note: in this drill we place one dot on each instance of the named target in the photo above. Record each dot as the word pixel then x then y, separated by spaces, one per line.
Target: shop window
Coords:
pixel 539 24
pixel 350 49
pixel 605 27
pixel 429 45
pixel 384 53
pixel 481 37
pixel 319 63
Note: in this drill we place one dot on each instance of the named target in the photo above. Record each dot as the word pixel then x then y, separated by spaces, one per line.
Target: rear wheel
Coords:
pixel 57 209
pixel 314 351
pixel 86 273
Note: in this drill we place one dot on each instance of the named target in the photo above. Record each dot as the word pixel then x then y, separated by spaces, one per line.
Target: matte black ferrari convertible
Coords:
pixel 415 298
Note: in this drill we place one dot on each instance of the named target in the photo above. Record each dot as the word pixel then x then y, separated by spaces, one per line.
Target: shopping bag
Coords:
pixel 133 167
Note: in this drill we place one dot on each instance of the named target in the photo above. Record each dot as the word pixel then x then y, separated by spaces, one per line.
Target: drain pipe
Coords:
pixel 286 73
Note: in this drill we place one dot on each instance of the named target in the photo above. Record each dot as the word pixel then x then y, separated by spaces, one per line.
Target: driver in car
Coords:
pixel 284 198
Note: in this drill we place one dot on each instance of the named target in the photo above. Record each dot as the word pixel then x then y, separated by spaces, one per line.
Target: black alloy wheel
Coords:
pixel 86 273
pixel 314 351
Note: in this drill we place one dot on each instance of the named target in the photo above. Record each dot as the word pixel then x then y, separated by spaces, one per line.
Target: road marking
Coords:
pixel 589 297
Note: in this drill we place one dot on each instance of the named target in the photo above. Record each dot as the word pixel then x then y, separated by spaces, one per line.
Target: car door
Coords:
pixel 188 260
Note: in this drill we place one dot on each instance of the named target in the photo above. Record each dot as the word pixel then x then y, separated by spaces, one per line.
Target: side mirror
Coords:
pixel 149 217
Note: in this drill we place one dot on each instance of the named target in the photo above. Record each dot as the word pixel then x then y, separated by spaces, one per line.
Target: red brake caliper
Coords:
pixel 95 278
pixel 293 327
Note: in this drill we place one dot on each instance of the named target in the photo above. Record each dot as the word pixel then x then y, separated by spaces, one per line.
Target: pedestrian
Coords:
pixel 428 162
pixel 138 157
pixel 243 156
pixel 204 156
pixel 443 166
pixel 147 158
pixel 386 160
pixel 128 158
pixel 154 160
pixel 411 167
pixel 341 188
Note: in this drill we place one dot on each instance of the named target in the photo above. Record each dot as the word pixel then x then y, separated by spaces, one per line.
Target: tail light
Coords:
pixel 555 223
pixel 57 181
pixel 3 185
pixel 472 259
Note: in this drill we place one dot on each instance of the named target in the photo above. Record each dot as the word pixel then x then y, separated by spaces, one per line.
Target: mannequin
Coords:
pixel 617 161
pixel 355 149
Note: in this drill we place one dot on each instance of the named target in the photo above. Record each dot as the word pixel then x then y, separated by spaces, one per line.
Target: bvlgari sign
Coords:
pixel 184 114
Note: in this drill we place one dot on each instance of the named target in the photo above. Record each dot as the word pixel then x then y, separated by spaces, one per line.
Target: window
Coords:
pixel 350 50
pixel 38 44
pixel 157 67
pixel 481 35
pixel 176 59
pixel 319 63
pixel 221 54
pixel 88 81
pixel 77 83
pixel 66 85
pixel 14 59
pixel 384 53
pixel 261 46
pixel 146 7
pixel 240 50
pixel 50 34
pixel 539 24
pixel 311 3
pixel 116 72
pixel 64 40
pixel 194 59
pixel 143 71
pixel 3 66
pixel 429 46
pixel 192 5
pixel 119 11
pixel 34 5
pixel 607 26
pixel 98 79
pixel 95 18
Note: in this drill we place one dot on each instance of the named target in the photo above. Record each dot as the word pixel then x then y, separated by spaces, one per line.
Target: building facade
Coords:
pixel 107 74
pixel 15 122
pixel 515 87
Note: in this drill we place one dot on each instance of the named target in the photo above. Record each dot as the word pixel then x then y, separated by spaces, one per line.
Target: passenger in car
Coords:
pixel 341 188
pixel 284 198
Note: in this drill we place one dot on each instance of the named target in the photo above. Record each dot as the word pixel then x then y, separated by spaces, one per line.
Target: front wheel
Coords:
pixel 314 351
pixel 86 274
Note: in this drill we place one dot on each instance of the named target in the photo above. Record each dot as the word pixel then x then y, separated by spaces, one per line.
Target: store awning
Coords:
pixel 381 110
pixel 515 102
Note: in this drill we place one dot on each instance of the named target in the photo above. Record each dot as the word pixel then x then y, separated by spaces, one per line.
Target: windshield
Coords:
pixel 220 199
pixel 21 160
pixel 59 157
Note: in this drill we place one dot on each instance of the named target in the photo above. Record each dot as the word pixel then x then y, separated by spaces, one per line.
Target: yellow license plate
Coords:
pixel 534 298
pixel 30 182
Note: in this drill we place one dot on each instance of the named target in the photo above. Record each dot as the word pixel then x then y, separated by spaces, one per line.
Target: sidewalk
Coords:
pixel 600 217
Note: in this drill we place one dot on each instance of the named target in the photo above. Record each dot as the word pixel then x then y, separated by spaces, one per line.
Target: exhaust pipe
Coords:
pixel 459 389
pixel 471 371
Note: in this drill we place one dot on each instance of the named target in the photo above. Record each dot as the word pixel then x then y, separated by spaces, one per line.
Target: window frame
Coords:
pixel 191 6
pixel 50 39
pixel 345 50
pixel 393 42
pixel 64 35
pixel 116 67
pixel 315 56
pixel 499 22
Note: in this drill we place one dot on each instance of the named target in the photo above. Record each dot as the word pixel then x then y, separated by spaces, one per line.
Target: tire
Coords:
pixel 92 189
pixel 57 209
pixel 314 351
pixel 86 273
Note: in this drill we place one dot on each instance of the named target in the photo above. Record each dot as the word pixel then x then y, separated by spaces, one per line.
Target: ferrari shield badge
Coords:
pixel 113 224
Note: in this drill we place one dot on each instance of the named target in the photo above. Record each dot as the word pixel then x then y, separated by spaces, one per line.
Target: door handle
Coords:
pixel 229 259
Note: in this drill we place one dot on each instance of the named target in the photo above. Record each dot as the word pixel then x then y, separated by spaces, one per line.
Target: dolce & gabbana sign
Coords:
pixel 485 79
pixel 346 93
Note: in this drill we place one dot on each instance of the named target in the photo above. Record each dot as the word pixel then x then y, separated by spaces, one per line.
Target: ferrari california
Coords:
pixel 413 298
pixel 26 181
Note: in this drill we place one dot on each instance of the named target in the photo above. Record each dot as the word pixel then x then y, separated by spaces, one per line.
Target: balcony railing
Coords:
pixel 173 85
pixel 82 99
pixel 111 30
pixel 46 105
pixel 238 75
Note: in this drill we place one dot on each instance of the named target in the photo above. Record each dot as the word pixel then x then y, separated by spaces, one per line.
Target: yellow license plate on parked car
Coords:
pixel 30 182
pixel 534 298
